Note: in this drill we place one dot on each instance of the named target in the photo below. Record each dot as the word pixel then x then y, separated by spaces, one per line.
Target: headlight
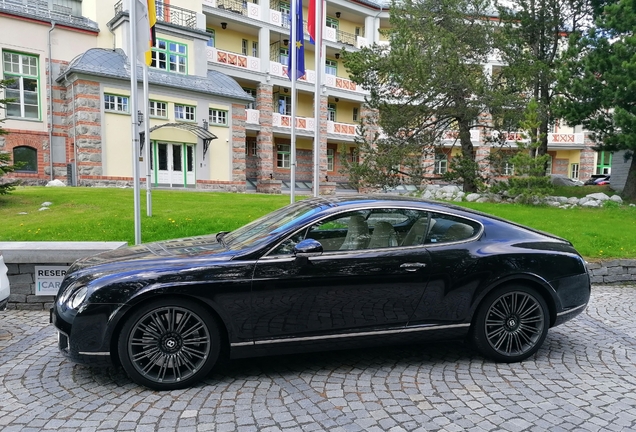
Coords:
pixel 77 298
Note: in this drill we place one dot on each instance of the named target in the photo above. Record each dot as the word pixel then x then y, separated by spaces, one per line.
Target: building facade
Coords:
pixel 219 96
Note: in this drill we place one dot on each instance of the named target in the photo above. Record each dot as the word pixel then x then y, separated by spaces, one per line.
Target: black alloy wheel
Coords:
pixel 169 344
pixel 511 324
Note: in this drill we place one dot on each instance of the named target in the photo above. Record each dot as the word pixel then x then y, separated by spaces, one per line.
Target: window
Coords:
pixel 332 23
pixel 331 67
pixel 358 31
pixel 355 114
pixel 604 162
pixel 212 40
pixel 158 109
pixel 23 70
pixel 254 49
pixel 283 155
pixel 284 56
pixel 330 159
pixel 115 103
pixel 508 169
pixel 244 44
pixel 548 166
pixel 250 147
pixel 184 112
pixel 446 228
pixel 285 12
pixel 26 158
pixel 574 171
pixel 218 117
pixel 251 92
pixel 170 56
pixel 441 163
pixel 284 105
pixel 331 112
pixel 353 155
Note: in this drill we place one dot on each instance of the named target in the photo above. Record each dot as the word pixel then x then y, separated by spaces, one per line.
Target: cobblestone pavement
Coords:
pixel 584 378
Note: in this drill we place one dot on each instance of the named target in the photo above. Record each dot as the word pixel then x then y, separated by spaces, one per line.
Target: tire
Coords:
pixel 511 324
pixel 169 344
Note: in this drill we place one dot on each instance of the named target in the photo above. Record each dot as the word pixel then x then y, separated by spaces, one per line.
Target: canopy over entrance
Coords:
pixel 199 131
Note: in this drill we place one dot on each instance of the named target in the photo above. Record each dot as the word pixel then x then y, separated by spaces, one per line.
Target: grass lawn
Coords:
pixel 106 214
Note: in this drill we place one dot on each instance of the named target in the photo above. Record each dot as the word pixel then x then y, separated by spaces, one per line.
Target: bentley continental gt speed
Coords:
pixel 320 274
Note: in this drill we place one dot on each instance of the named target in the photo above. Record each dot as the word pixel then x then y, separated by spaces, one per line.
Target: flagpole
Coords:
pixel 294 67
pixel 317 95
pixel 133 116
pixel 148 144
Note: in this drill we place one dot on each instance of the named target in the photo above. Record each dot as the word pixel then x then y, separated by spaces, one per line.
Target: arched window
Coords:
pixel 26 159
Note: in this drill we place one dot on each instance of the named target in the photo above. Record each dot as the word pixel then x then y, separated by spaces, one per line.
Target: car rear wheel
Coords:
pixel 511 324
pixel 169 344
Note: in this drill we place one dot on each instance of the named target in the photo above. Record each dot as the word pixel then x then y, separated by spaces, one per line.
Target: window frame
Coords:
pixel 34 155
pixel 214 115
pixel 156 109
pixel 441 163
pixel 19 78
pixel 331 67
pixel 575 170
pixel 186 108
pixel 211 42
pixel 156 50
pixel 332 112
pixel 118 101
pixel 283 156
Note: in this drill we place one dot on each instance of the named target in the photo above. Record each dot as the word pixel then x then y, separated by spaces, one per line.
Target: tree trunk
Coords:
pixel 470 183
pixel 629 191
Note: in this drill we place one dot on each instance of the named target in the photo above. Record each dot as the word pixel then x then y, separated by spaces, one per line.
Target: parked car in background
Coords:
pixel 4 284
pixel 320 274
pixel 598 180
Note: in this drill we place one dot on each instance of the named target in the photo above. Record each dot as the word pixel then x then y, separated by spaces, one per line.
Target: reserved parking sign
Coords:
pixel 48 279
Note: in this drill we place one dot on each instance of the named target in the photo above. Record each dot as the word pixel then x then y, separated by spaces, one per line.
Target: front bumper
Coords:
pixel 85 337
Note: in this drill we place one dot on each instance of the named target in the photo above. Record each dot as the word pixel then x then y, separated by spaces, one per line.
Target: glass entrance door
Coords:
pixel 174 164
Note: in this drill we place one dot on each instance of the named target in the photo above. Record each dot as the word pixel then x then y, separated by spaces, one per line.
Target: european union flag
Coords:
pixel 298 46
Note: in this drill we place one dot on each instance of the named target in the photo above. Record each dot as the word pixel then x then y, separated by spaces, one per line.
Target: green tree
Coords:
pixel 531 38
pixel 5 158
pixel 429 80
pixel 598 81
pixel 529 181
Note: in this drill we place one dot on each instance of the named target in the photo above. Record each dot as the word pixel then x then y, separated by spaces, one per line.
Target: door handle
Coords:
pixel 412 266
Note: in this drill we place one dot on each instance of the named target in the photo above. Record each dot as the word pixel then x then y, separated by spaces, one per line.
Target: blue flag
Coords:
pixel 298 43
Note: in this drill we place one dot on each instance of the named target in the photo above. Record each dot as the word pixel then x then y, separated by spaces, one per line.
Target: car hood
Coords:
pixel 148 254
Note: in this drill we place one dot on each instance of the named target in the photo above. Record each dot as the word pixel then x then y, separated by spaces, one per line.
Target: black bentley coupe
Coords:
pixel 320 274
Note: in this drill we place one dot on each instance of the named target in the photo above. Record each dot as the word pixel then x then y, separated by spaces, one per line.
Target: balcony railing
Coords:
pixel 59 12
pixel 170 14
pixel 241 61
pixel 453 135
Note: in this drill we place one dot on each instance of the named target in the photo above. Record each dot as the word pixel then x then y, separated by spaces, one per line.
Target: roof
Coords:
pixel 110 63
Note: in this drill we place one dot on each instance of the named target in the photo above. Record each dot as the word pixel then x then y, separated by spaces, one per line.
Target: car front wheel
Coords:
pixel 169 344
pixel 511 324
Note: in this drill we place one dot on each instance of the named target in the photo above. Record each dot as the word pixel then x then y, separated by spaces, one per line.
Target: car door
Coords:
pixel 364 282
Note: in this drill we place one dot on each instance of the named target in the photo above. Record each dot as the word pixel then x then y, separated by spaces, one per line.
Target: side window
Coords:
pixel 365 229
pixel 447 228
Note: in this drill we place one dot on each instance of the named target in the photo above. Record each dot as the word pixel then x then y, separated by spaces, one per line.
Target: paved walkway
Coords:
pixel 584 378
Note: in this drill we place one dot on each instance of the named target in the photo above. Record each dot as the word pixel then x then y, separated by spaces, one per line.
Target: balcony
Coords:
pixel 280 70
pixel 284 121
pixel 453 135
pixel 555 140
pixel 342 128
pixel 240 61
pixel 67 13
pixel 169 14
pixel 239 7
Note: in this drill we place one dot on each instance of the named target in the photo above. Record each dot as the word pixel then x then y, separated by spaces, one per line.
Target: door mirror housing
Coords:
pixel 308 248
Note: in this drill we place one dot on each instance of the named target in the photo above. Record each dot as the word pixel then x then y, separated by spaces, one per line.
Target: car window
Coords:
pixel 366 229
pixel 447 228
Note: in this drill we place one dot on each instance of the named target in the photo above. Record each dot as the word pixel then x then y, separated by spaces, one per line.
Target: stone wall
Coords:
pixel 614 271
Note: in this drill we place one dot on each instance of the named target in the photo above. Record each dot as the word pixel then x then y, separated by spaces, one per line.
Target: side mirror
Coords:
pixel 308 248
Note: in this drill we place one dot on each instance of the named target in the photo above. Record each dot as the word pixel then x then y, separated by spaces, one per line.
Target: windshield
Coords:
pixel 270 225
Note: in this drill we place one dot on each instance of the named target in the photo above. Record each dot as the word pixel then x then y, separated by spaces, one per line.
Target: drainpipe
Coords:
pixel 110 29
pixel 50 72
